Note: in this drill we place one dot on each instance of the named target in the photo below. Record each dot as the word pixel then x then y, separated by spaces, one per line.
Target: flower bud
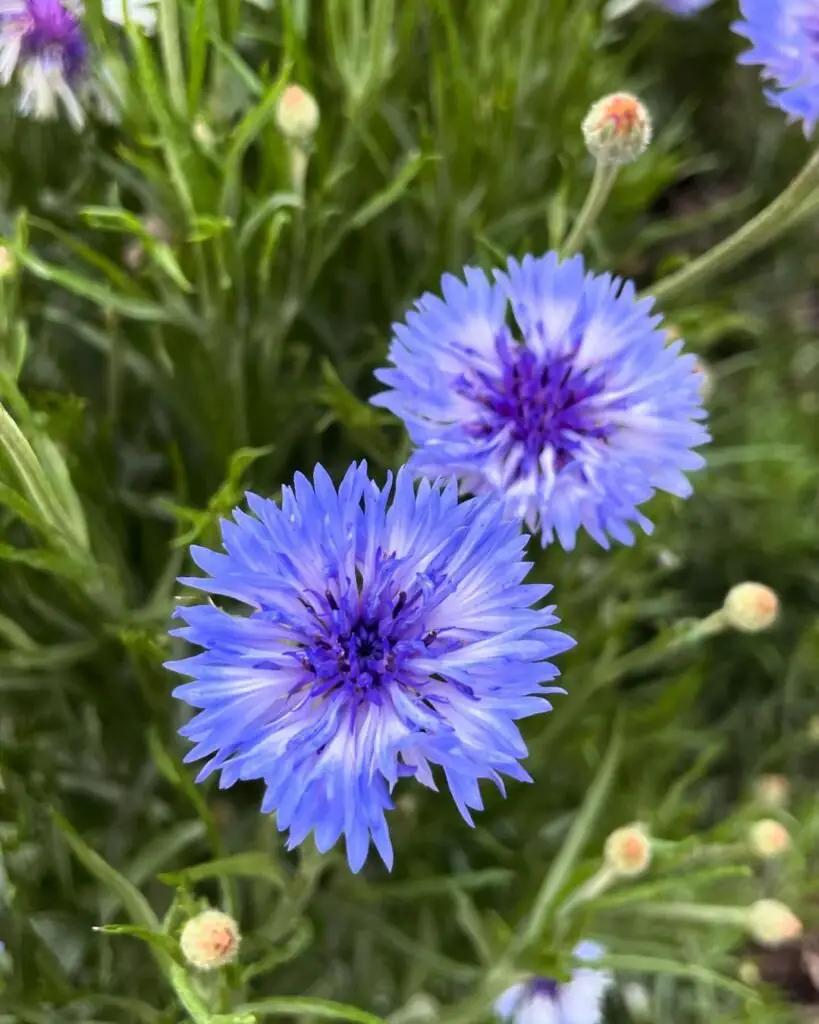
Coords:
pixel 637 1000
pixel 770 923
pixel 706 378
pixel 772 791
pixel 297 114
pixel 813 729
pixel 748 973
pixel 209 940
pixel 628 850
pixel 202 133
pixel 6 262
pixel 768 838
pixel 751 607
pixel 617 129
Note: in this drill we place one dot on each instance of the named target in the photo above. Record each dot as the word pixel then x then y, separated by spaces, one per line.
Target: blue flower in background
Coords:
pixel 573 421
pixel 544 1001
pixel 384 638
pixel 44 43
pixel 785 41
pixel 685 6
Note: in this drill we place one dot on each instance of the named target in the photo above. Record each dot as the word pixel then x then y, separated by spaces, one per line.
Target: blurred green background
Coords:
pixel 179 325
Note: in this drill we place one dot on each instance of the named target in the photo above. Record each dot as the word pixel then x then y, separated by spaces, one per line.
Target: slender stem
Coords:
pixel 777 217
pixel 600 882
pixel 172 57
pixel 604 178
pixel 197 1010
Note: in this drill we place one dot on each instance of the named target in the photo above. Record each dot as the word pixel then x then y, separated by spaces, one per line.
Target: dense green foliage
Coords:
pixel 154 376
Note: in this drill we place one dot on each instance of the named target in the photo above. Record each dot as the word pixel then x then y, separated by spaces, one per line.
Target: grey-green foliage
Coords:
pixel 182 324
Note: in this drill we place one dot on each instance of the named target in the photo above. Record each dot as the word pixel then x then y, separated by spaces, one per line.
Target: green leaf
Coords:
pixel 116 275
pixel 674 968
pixel 170 45
pixel 164 943
pixel 572 848
pixel 243 865
pixel 438 886
pixel 101 295
pixel 46 561
pixel 470 923
pixel 135 904
pixel 298 942
pixel 263 210
pixel 323 1009
pixel 177 777
pixel 197 53
pixel 387 196
pixel 248 129
pixel 249 78
pixel 164 847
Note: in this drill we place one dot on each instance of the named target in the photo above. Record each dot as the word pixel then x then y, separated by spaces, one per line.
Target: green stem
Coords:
pixel 600 882
pixel 777 217
pixel 694 913
pixel 194 1006
pixel 172 57
pixel 604 177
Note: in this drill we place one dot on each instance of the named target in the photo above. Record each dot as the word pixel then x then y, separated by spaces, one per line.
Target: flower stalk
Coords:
pixel 604 177
pixel 780 215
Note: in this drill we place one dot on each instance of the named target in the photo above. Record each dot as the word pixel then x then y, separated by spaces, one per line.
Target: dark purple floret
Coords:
pixel 544 987
pixel 537 401
pixel 54 33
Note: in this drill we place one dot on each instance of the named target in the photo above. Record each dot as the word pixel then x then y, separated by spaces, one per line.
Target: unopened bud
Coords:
pixel 297 114
pixel 770 923
pixel 6 261
pixel 751 607
pixel 637 1000
pixel 748 973
pixel 706 378
pixel 617 129
pixel 628 850
pixel 202 132
pixel 773 791
pixel 209 940
pixel 768 838
pixel 813 729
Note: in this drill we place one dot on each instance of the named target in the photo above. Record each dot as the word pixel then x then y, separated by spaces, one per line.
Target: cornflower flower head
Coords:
pixel 385 638
pixel 44 44
pixel 545 1001
pixel 573 422
pixel 784 37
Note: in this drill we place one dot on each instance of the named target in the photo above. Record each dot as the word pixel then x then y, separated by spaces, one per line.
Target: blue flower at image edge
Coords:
pixel 573 416
pixel 784 36
pixel 545 1001
pixel 44 43
pixel 685 6
pixel 385 637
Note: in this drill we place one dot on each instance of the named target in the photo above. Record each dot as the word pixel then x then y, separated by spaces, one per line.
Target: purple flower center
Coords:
pixel 358 642
pixel 536 403
pixel 54 34
pixel 547 987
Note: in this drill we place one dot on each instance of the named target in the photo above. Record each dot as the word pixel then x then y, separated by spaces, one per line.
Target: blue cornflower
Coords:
pixel 44 43
pixel 785 40
pixel 573 424
pixel 385 638
pixel 685 6
pixel 545 1001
